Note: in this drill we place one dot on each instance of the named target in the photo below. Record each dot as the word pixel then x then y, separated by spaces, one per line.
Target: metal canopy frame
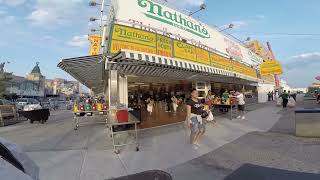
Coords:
pixel 92 71
pixel 88 70
pixel 129 62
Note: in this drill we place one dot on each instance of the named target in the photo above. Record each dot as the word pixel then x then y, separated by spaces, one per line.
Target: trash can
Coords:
pixel 307 122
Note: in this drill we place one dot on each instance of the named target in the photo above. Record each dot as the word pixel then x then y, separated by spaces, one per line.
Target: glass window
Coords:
pixel 147 58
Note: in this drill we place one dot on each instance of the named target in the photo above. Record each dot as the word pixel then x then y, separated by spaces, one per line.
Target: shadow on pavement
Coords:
pixel 254 172
pixel 147 175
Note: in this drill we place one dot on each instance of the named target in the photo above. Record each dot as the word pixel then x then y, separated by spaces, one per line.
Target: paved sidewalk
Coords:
pixel 87 154
pixel 277 148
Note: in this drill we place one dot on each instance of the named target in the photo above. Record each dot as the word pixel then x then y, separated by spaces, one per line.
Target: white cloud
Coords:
pixel 13 2
pixel 79 41
pixel 60 12
pixel 40 17
pixel 237 24
pixel 191 2
pixel 48 38
pixel 9 19
pixel 306 56
pixel 2 13
pixel 301 69
pixel 260 16
pixel 183 3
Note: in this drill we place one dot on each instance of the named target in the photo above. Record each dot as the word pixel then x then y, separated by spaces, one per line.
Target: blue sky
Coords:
pixel 48 30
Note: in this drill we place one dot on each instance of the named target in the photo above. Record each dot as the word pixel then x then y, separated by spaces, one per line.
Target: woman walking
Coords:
pixel 194 117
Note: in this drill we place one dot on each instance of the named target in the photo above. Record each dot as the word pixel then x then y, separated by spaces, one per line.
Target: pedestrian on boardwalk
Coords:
pixel 285 98
pixel 241 105
pixel 194 118
pixel 269 96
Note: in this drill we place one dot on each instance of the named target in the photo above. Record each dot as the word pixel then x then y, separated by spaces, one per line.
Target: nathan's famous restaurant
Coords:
pixel 154 50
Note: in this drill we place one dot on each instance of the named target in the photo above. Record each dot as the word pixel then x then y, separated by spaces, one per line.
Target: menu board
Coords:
pixel 203 56
pixel 184 51
pixel 220 62
pixel 124 37
pixel 164 46
pixel 116 46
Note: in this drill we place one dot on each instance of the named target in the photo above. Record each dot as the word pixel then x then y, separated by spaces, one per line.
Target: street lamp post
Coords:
pixel 230 26
pixel 202 7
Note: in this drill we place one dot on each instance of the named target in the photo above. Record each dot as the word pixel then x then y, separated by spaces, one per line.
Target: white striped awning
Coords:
pixel 144 64
pixel 88 70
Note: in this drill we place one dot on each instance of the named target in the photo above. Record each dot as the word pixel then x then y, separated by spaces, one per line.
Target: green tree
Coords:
pixel 4 78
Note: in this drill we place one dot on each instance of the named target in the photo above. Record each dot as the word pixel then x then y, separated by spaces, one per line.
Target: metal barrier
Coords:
pixel 8 115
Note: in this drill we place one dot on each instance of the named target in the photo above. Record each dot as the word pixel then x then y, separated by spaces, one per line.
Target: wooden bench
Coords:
pixel 8 115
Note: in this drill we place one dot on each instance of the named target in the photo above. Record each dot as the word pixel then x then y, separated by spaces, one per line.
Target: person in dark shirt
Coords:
pixel 285 98
pixel 194 112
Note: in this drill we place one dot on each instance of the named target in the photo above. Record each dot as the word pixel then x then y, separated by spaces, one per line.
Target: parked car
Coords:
pixel 21 102
pixel 5 102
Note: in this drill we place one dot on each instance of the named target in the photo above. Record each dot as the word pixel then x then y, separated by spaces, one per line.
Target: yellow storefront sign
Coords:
pixel 133 35
pixel 184 51
pixel 237 67
pixel 270 67
pixel 220 62
pixel 250 72
pixel 116 46
pixel 203 56
pixel 95 41
pixel 124 37
pixel 164 46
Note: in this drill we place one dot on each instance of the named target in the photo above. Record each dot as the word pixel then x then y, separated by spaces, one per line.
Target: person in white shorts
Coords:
pixel 241 105
pixel 194 118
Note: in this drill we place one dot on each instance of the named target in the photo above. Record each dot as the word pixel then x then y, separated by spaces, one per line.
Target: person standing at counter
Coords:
pixel 194 112
pixel 225 98
pixel 241 105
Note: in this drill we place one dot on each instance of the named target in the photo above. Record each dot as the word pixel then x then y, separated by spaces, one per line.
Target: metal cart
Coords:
pixel 89 114
pixel 111 126
pixel 233 108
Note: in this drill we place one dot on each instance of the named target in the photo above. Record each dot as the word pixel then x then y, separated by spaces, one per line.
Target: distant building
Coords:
pixel 33 85
pixel 284 85
pixel 302 90
pixel 62 87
